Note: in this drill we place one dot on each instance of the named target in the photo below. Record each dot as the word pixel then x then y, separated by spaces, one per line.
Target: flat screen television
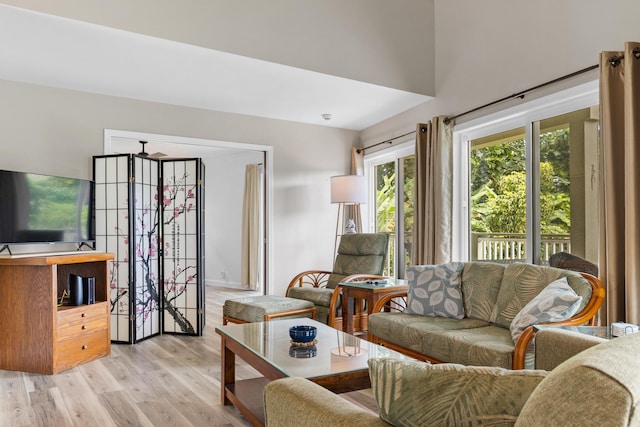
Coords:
pixel 45 209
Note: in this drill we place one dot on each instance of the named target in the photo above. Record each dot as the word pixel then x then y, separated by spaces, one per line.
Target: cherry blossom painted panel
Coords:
pixel 182 247
pixel 113 187
pixel 146 239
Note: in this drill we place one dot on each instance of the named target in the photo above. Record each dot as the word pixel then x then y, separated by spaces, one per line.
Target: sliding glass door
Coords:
pixel 533 190
pixel 391 185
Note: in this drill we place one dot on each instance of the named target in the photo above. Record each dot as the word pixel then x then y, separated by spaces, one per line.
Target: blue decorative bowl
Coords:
pixel 303 333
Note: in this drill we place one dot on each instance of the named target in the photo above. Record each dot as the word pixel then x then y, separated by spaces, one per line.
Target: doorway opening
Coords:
pixel 225 164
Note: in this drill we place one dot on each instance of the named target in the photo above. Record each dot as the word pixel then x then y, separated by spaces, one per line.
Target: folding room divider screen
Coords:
pixel 149 213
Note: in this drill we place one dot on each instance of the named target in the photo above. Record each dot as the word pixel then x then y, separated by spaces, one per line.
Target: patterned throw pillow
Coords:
pixel 434 290
pixel 558 301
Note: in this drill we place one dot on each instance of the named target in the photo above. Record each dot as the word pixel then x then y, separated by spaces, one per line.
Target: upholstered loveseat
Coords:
pixel 599 386
pixel 480 313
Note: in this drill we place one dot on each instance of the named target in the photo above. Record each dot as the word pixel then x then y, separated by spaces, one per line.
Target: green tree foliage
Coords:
pixel 554 149
pixel 385 204
pixel 385 195
pixel 498 186
pixel 507 210
pixel 386 211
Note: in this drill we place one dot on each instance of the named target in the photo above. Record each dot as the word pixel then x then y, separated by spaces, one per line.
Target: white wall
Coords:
pixel 56 131
pixel 374 41
pixel 224 189
pixel 486 50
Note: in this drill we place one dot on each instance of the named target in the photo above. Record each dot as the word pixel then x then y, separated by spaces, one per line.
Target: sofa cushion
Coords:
pixel 434 290
pixel 522 282
pixel 480 286
pixel 484 346
pixel 411 330
pixel 419 394
pixel 597 387
pixel 554 303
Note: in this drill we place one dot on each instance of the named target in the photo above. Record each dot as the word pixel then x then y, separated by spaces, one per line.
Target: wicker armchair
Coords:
pixel 359 256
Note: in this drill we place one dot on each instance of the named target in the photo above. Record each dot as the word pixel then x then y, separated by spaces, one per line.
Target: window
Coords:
pixel 391 184
pixel 531 184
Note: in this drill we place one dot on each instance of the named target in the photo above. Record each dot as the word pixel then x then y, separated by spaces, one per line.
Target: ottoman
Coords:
pixel 263 308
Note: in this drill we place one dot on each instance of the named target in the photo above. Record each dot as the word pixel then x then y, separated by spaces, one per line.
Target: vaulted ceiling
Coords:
pixel 360 61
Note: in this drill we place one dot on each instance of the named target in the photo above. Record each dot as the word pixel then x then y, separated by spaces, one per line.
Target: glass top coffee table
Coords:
pixel 338 361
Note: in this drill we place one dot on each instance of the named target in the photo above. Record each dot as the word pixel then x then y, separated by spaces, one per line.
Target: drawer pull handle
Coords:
pixel 84 326
pixel 83 315
pixel 84 347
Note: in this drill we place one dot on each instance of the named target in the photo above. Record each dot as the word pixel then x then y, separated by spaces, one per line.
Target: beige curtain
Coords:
pixel 432 211
pixel 357 168
pixel 357 161
pixel 250 247
pixel 620 196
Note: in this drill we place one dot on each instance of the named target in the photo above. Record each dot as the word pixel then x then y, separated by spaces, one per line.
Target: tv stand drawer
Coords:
pixel 68 316
pixel 75 351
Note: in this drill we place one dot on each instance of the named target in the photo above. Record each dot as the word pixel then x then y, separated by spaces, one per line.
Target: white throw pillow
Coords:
pixel 557 302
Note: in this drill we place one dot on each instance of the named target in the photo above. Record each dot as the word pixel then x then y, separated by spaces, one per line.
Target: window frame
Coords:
pixel 393 154
pixel 525 115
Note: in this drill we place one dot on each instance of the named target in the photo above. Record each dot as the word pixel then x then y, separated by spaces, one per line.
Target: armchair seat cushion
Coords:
pixel 317 296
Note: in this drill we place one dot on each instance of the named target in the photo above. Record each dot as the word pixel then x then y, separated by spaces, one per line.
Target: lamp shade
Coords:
pixel 348 189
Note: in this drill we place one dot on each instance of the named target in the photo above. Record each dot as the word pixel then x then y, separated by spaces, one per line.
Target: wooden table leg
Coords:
pixel 228 370
pixel 372 299
pixel 347 315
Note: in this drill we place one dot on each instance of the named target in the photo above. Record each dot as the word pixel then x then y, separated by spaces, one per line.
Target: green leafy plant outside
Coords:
pixel 498 186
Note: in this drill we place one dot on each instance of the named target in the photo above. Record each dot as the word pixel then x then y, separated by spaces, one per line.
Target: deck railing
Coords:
pixel 497 247
pixel 511 246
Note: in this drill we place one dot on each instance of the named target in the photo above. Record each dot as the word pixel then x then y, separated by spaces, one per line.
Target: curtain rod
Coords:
pixel 521 94
pixel 387 141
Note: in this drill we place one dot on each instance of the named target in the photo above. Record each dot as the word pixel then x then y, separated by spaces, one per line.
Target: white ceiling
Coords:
pixel 59 52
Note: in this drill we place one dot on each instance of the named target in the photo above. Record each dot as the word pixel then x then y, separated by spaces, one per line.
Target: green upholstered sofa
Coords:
pixel 599 386
pixel 492 295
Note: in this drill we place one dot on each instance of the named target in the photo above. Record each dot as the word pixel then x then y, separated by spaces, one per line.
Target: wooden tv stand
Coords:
pixel 38 336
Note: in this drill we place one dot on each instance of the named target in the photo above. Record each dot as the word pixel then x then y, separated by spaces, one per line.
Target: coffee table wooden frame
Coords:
pixel 247 395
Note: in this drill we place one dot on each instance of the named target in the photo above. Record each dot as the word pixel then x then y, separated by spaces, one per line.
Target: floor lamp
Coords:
pixel 348 190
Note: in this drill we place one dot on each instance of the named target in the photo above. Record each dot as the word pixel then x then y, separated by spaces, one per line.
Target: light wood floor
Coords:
pixel 163 381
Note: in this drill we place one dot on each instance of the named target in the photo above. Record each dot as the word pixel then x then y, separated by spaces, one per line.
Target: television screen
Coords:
pixel 45 209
